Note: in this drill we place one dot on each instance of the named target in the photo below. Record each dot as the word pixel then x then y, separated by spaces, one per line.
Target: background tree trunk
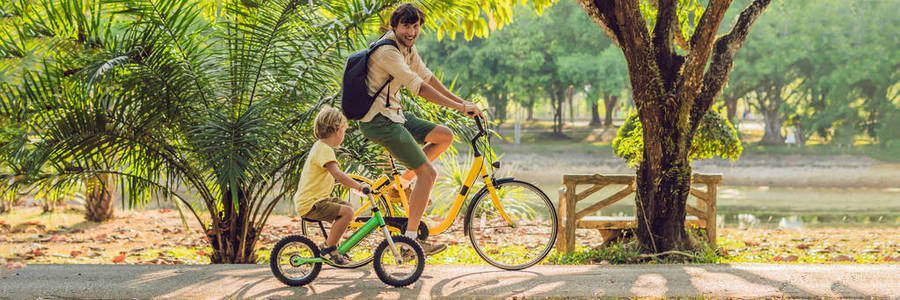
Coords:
pixel 731 104
pixel 610 102
pixel 570 93
pixel 595 115
pixel 98 203
pixel 529 108
pixel 558 95
pixel 502 102
pixel 771 109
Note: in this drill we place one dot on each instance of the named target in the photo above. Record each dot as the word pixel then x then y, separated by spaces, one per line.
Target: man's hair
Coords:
pixel 328 121
pixel 407 13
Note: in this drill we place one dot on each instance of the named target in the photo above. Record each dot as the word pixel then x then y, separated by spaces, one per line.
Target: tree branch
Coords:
pixel 726 47
pixel 679 38
pixel 701 45
pixel 666 20
pixel 602 13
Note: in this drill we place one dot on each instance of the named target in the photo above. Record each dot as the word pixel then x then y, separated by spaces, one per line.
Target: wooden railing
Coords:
pixel 702 215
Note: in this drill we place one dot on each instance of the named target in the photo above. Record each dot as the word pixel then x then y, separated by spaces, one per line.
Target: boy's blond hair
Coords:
pixel 328 121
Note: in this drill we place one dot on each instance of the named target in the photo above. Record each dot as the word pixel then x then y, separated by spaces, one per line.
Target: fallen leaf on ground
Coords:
pixel 785 258
pixel 841 258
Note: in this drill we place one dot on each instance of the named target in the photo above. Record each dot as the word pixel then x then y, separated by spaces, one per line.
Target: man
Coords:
pixel 399 132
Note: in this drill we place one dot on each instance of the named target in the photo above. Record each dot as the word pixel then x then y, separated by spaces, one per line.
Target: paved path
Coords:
pixel 443 281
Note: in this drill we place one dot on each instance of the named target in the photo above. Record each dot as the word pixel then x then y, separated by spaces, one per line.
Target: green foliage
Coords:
pixel 715 137
pixel 217 96
pixel 825 68
pixel 535 55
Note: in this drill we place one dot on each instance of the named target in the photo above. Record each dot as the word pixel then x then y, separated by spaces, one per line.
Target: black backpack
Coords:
pixel 355 99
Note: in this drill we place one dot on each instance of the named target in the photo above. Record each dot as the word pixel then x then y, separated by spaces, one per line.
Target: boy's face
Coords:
pixel 408 33
pixel 340 133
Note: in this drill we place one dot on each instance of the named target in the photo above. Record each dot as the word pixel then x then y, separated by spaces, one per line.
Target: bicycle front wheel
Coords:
pixel 361 254
pixel 516 231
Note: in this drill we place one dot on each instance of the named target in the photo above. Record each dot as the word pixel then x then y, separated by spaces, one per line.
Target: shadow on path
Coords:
pixel 440 281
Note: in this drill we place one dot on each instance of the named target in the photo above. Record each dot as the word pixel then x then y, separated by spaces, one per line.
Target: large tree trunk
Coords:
pixel 664 178
pixel 672 93
pixel 595 115
pixel 610 103
pixel 98 203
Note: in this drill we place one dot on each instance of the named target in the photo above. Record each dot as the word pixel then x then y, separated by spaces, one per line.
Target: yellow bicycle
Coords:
pixel 511 223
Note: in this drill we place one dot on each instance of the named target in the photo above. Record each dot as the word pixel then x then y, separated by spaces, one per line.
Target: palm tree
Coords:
pixel 213 95
pixel 214 102
pixel 32 36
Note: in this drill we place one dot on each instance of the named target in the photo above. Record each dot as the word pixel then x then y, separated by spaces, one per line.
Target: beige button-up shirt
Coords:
pixel 408 70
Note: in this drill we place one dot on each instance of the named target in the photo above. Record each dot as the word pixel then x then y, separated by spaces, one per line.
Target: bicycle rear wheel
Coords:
pixel 284 256
pixel 521 239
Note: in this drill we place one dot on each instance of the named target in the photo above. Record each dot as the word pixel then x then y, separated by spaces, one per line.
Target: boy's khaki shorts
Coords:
pixel 403 141
pixel 326 209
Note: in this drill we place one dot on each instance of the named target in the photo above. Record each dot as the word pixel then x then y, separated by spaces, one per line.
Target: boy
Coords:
pixel 317 180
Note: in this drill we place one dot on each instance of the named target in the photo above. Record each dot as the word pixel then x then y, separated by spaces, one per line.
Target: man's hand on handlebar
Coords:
pixel 364 188
pixel 470 109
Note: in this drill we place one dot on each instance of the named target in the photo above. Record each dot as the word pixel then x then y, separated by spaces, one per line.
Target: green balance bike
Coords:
pixel 398 260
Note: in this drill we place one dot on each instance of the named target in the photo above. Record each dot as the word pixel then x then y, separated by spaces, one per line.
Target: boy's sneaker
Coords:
pixel 331 254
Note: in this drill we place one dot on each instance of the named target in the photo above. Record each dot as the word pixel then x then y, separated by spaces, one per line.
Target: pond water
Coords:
pixel 768 207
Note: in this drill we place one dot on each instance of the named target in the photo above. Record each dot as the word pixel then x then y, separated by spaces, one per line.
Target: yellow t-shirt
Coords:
pixel 316 182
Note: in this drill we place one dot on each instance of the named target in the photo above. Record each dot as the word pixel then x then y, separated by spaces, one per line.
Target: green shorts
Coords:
pixel 403 141
pixel 326 209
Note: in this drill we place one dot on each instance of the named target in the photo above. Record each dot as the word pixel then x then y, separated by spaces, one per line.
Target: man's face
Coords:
pixel 407 33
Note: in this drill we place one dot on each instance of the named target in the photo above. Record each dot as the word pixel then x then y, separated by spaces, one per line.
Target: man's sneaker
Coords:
pixel 431 248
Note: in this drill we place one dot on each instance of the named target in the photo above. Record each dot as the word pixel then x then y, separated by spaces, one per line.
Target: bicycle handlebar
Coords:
pixel 480 126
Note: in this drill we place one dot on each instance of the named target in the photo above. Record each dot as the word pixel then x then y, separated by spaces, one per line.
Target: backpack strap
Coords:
pixel 372 49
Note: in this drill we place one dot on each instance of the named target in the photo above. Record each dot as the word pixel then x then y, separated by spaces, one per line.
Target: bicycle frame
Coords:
pixel 376 221
pixel 384 183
